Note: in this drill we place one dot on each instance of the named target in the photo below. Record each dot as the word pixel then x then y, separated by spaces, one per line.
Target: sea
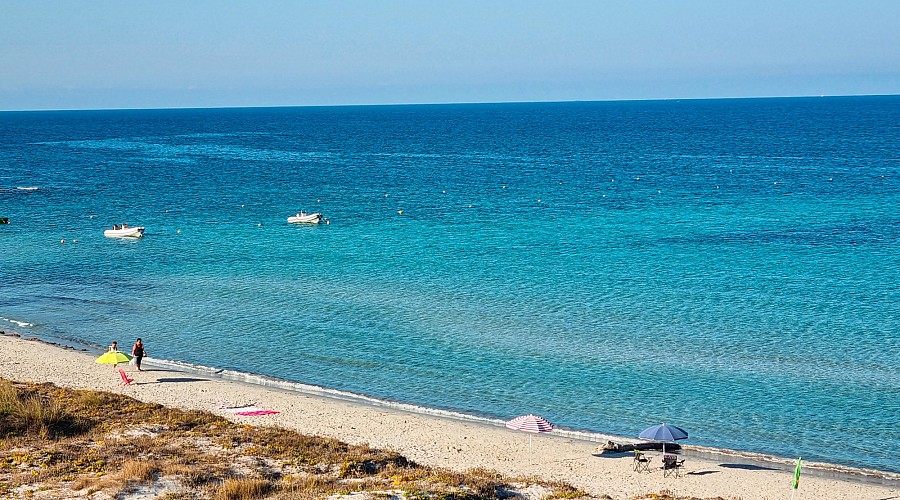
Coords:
pixel 728 266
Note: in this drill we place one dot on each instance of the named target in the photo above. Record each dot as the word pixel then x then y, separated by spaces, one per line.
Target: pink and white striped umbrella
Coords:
pixel 530 423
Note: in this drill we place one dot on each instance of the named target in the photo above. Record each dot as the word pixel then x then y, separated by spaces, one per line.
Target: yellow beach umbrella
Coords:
pixel 113 358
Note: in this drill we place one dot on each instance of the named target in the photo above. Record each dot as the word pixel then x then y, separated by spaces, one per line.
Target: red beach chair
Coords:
pixel 125 379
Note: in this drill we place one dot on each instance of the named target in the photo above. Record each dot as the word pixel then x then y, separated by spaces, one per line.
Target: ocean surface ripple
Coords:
pixel 729 266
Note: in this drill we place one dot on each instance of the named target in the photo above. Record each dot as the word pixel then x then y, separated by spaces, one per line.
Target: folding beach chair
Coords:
pixel 641 462
pixel 125 379
pixel 671 465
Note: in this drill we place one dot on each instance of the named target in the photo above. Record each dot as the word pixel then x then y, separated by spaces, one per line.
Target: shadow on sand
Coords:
pixel 181 379
pixel 747 467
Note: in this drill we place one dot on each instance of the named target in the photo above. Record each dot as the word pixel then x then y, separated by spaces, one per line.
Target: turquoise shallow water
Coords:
pixel 728 266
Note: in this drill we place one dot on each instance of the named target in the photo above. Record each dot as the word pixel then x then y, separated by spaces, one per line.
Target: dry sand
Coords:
pixel 436 440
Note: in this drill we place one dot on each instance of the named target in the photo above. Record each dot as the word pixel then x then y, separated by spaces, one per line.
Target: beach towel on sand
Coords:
pixel 224 404
pixel 249 411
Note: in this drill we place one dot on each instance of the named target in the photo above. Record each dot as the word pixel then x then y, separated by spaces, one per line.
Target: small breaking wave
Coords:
pixel 22 324
pixel 20 190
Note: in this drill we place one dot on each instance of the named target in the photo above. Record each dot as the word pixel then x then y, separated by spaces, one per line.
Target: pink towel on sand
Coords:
pixel 255 413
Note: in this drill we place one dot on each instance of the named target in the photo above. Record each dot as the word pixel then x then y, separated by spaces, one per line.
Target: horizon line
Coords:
pixel 445 103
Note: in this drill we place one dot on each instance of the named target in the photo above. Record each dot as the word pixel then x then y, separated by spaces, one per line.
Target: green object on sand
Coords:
pixel 113 358
pixel 796 483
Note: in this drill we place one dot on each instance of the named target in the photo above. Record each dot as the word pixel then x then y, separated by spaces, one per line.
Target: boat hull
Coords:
pixel 305 219
pixel 129 232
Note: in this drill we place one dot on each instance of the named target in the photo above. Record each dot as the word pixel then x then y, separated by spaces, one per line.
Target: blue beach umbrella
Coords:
pixel 666 433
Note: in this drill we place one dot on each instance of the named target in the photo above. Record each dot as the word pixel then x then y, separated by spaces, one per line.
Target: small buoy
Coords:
pixel 91 217
pixel 242 206
pixel 717 187
pixel 327 222
pixel 179 231
pixel 470 206
pixel 658 191
pixel 830 179
pixel 385 195
pixel 443 192
pixel 400 212
pixel 504 187
pixel 167 210
pixel 259 225
pixel 318 200
pixel 637 178
pixel 74 241
pixel 560 183
pixel 604 196
pixel 538 200
pixel 776 182
pixel 62 241
pixel 612 180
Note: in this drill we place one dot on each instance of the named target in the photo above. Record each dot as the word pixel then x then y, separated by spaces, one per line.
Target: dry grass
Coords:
pixel 64 440
pixel 244 489
pixel 200 451
pixel 37 417
pixel 28 413
pixel 139 471
pixel 9 397
pixel 308 487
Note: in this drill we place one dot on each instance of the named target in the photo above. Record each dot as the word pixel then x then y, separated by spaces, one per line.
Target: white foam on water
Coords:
pixel 23 324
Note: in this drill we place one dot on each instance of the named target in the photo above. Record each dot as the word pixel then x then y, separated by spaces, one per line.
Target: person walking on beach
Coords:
pixel 138 352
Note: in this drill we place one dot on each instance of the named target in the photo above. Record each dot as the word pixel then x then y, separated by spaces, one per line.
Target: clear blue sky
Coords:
pixel 161 53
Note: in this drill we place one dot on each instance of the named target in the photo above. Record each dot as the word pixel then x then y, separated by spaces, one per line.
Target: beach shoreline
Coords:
pixel 820 469
pixel 440 440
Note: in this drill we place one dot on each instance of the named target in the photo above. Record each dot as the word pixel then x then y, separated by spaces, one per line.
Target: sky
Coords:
pixel 102 54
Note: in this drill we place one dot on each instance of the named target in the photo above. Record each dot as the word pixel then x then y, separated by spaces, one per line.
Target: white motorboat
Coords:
pixel 125 232
pixel 305 218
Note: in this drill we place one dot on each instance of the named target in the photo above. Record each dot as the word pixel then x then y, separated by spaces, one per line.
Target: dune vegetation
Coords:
pixel 57 442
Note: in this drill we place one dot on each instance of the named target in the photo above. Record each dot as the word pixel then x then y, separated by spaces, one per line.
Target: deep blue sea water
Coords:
pixel 729 266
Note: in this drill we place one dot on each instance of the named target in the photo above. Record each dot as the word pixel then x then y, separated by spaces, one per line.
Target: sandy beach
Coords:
pixel 436 440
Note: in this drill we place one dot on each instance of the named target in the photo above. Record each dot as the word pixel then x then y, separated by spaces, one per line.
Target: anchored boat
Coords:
pixel 305 218
pixel 124 231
